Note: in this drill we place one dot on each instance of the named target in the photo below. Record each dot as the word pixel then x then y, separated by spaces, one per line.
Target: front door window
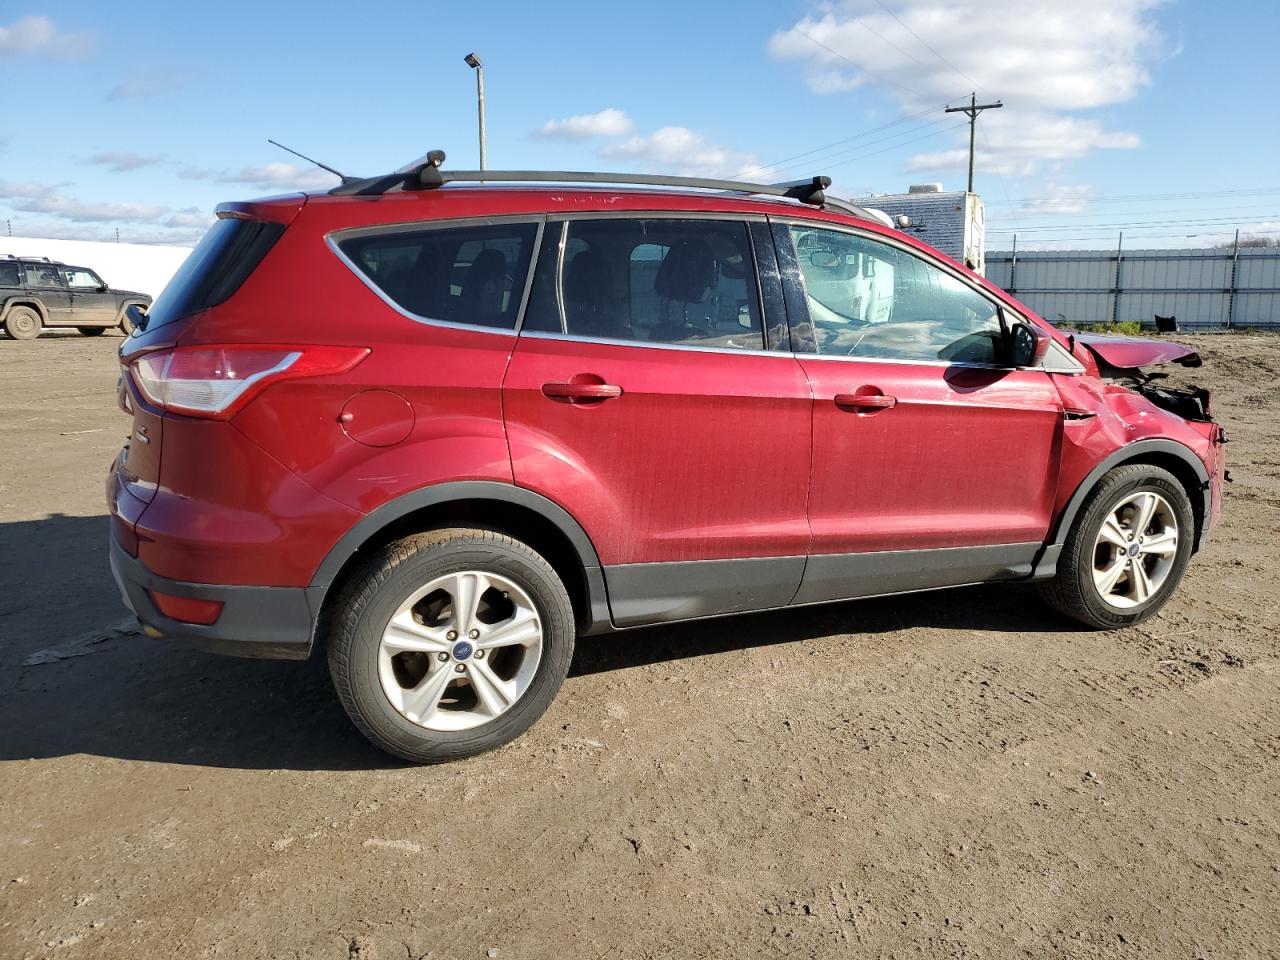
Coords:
pixel 871 299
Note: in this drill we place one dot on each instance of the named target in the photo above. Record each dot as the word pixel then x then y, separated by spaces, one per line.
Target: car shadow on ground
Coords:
pixel 129 697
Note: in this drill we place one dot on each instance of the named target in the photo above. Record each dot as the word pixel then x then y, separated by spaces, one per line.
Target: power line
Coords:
pixel 1139 224
pixel 837 53
pixel 954 69
pixel 1143 197
pixel 836 143
pixel 839 157
pixel 894 146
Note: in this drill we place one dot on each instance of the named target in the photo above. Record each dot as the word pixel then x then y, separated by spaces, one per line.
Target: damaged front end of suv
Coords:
pixel 1123 360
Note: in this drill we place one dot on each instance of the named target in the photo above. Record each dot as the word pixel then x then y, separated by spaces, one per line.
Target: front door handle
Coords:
pixel 578 391
pixel 865 401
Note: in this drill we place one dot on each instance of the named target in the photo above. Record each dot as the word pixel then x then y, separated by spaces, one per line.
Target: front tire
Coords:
pixel 1127 550
pixel 450 643
pixel 23 323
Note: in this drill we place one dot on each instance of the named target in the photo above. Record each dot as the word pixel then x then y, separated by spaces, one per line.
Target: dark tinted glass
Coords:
pixel 9 273
pixel 473 275
pixel 223 259
pixel 870 299
pixel 688 282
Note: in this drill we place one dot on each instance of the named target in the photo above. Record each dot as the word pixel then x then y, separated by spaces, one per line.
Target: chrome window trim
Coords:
pixel 647 345
pixel 334 237
pixel 646 214
pixel 963 364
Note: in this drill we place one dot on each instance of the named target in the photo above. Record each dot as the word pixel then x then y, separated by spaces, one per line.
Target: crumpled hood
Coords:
pixel 1131 353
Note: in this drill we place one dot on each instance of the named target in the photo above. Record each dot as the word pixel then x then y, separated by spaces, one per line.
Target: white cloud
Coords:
pixel 122 161
pixel 40 35
pixel 69 208
pixel 681 150
pixel 11 191
pixel 1041 57
pixel 45 198
pixel 189 217
pixel 1060 200
pixel 1017 144
pixel 144 85
pixel 271 176
pixel 609 122
pixel 129 233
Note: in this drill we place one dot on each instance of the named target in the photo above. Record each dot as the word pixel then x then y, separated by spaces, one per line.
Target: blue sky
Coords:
pixel 1151 117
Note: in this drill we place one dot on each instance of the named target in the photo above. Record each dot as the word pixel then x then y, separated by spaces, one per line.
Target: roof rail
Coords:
pixel 429 176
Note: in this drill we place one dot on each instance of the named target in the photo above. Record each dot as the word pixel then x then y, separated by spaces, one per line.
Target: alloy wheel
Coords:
pixel 1135 550
pixel 460 651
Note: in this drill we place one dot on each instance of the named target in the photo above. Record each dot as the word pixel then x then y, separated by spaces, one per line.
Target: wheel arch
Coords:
pixel 24 300
pixel 1177 458
pixel 541 523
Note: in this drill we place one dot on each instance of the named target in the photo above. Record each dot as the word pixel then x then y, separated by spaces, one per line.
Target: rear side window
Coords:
pixel 8 273
pixel 686 282
pixel 473 275
pixel 223 259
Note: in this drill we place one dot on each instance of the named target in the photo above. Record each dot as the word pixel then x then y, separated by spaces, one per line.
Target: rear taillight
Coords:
pixel 215 382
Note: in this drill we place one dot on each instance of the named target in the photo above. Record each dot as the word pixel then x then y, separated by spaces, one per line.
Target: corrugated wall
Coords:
pixel 1097 286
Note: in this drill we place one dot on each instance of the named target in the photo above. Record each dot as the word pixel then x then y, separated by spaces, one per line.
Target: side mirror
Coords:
pixel 1028 345
pixel 137 315
pixel 103 288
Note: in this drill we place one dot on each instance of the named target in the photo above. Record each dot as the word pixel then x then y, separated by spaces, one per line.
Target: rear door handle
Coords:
pixel 865 401
pixel 581 391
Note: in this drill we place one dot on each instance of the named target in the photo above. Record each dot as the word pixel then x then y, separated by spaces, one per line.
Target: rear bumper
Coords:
pixel 275 623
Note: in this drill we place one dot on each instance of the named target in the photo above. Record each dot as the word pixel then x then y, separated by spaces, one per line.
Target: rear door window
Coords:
pixel 660 281
pixel 473 275
pixel 43 275
pixel 8 273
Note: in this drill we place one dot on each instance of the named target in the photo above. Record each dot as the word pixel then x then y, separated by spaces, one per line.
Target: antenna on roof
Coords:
pixel 323 166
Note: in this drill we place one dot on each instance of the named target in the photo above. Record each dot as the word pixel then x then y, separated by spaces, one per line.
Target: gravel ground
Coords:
pixel 956 774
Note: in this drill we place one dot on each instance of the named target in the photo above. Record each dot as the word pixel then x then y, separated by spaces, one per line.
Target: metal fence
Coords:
pixel 1203 289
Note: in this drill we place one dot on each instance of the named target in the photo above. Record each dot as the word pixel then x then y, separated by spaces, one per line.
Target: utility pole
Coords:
pixel 973 109
pixel 474 63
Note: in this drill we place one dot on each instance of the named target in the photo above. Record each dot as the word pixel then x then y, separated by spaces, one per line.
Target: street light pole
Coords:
pixel 474 63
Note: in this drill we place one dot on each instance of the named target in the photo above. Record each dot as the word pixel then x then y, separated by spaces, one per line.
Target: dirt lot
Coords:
pixel 956 774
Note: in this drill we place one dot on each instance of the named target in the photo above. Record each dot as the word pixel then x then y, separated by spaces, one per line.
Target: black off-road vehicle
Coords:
pixel 38 292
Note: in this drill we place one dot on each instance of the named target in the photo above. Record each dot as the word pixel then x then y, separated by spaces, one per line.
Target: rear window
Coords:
pixel 220 263
pixel 473 274
pixel 8 273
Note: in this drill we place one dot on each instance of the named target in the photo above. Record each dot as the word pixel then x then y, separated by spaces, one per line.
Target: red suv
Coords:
pixel 443 430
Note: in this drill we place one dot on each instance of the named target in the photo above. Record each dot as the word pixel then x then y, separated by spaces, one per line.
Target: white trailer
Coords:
pixel 953 222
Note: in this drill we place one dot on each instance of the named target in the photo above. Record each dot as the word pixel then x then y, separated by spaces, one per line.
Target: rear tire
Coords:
pixel 1127 550
pixel 23 323
pixel 126 325
pixel 449 643
pixel 92 331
